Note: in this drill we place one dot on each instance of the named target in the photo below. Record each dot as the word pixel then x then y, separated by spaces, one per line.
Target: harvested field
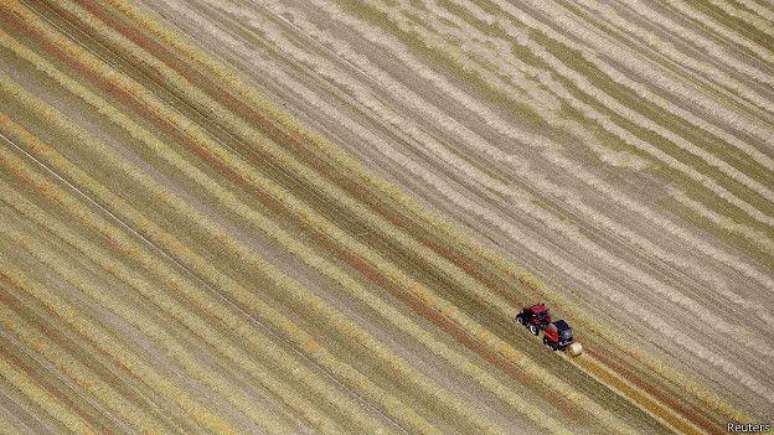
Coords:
pixel 322 216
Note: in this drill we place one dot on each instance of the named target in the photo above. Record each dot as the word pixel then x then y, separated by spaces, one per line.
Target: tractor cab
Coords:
pixel 535 318
pixel 558 335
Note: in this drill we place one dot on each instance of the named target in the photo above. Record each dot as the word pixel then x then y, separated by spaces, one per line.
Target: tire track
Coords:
pixel 181 284
pixel 24 409
pixel 330 230
pixel 135 364
pixel 152 330
pixel 332 200
pixel 77 372
pixel 309 346
pixel 52 405
pixel 762 52
pixel 401 321
pixel 614 127
pixel 138 91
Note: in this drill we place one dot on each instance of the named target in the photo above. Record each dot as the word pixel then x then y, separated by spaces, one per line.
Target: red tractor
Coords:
pixel 558 335
pixel 536 318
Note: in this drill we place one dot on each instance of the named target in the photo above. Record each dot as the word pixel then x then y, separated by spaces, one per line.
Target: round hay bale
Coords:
pixel 575 349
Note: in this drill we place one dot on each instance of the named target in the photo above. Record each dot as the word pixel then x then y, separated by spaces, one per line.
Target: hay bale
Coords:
pixel 575 349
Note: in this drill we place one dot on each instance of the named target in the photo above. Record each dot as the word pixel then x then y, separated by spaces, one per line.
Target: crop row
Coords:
pixel 723 30
pixel 420 170
pixel 658 287
pixel 148 327
pixel 641 62
pixel 469 252
pixel 38 369
pixel 620 340
pixel 422 254
pixel 618 53
pixel 245 297
pixel 708 71
pixel 53 400
pixel 710 158
pixel 191 52
pixel 689 136
pixel 601 108
pixel 55 161
pixel 74 369
pixel 409 284
pixel 154 408
pixel 107 343
pixel 198 137
pixel 422 293
pixel 256 140
pixel 416 169
pixel 203 300
pixel 11 423
pixel 207 186
pixel 52 405
pixel 294 400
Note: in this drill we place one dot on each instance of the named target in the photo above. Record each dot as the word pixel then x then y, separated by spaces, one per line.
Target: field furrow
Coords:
pixel 322 216
pixel 350 247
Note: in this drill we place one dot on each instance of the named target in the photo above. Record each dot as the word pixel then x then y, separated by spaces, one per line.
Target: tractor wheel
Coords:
pixel 533 329
pixel 520 319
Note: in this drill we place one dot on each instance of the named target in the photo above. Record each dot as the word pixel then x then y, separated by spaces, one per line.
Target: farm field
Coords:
pixel 322 216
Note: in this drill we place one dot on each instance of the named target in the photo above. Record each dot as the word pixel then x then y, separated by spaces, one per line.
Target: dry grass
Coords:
pixel 192 120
